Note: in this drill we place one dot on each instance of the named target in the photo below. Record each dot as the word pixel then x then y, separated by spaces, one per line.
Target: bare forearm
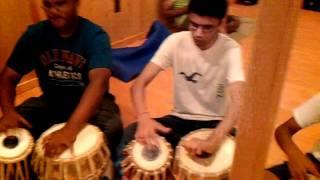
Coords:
pixel 226 124
pixel 138 98
pixel 7 96
pixel 88 104
pixel 8 82
pixel 138 89
pixel 230 119
pixel 284 140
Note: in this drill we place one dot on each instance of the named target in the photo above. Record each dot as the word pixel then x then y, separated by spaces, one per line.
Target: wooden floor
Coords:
pixel 302 81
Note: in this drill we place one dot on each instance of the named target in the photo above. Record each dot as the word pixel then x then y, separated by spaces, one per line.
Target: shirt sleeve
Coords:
pixel 164 54
pixel 21 59
pixel 235 70
pixel 308 113
pixel 99 51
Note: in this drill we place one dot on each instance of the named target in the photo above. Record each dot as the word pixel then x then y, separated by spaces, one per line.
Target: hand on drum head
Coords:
pixel 199 147
pixel 147 131
pixel 12 119
pixel 58 141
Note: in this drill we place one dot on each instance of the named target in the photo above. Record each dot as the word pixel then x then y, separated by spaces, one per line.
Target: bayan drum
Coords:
pixel 15 146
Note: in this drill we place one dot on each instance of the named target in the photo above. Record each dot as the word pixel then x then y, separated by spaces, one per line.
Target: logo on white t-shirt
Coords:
pixel 220 90
pixel 191 77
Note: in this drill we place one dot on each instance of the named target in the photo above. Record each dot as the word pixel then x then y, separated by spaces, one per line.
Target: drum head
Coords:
pixel 24 144
pixel 159 160
pixel 218 164
pixel 85 142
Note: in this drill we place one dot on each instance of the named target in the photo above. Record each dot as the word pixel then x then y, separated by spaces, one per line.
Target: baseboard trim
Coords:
pixel 131 39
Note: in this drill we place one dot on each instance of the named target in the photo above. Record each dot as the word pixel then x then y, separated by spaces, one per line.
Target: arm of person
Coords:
pixel 11 118
pixel 168 11
pixel 19 63
pixel 236 79
pixel 269 176
pixel 147 127
pixel 91 98
pixel 212 143
pixel 57 142
pixel 230 119
pixel 299 164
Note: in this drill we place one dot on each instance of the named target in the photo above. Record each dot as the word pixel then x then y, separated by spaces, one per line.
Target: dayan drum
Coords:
pixel 15 146
pixel 214 167
pixel 87 159
pixel 146 164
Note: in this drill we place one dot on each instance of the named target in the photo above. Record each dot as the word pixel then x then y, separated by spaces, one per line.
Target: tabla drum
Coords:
pixel 88 158
pixel 215 167
pixel 141 163
pixel 15 146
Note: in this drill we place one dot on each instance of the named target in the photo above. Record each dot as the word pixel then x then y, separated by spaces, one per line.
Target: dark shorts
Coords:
pixel 179 128
pixel 107 118
pixel 282 170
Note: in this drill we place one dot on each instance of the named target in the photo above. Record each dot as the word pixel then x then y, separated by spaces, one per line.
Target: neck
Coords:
pixel 207 46
pixel 70 29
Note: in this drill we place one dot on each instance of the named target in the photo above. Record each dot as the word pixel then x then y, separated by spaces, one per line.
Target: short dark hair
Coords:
pixel 211 8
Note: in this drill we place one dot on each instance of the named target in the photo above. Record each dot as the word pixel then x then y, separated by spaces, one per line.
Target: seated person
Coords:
pixel 72 58
pixel 175 11
pixel 207 66
pixel 299 165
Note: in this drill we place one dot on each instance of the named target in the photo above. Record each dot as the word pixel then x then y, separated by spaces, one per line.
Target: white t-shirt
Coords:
pixel 308 113
pixel 200 76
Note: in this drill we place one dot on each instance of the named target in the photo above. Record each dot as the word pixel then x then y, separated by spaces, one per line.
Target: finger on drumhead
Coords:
pixel 137 136
pixel 141 140
pixel 25 123
pixel 4 130
pixel 54 152
pixel 162 129
pixel 185 143
pixel 71 149
pixel 198 151
pixel 45 141
pixel 59 151
pixel 152 143
pixel 47 151
pixel 188 145
pixel 191 152
pixel 155 140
